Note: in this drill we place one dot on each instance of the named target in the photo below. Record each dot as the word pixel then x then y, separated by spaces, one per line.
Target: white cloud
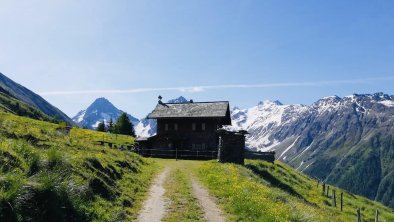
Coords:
pixel 192 89
pixel 196 89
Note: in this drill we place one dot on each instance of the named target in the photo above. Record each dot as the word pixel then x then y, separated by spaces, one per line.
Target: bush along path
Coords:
pixel 176 195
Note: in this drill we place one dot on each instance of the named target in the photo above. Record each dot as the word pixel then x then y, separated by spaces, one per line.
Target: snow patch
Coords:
pixel 306 167
pixel 231 128
pixel 80 116
pixel 302 162
pixel 389 103
pixel 288 148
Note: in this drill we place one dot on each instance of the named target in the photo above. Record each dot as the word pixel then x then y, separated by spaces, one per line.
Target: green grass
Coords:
pixel 48 176
pixel 261 191
pixel 12 105
pixel 94 136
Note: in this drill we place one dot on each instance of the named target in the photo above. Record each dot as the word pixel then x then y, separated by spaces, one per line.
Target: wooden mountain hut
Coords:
pixel 187 129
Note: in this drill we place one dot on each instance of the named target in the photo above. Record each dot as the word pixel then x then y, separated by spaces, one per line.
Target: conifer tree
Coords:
pixel 101 127
pixel 111 126
pixel 124 125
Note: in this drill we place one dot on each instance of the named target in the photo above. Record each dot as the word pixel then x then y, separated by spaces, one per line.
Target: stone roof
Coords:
pixel 190 110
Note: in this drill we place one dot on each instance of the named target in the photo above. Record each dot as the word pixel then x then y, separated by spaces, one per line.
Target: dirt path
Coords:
pixel 212 213
pixel 154 207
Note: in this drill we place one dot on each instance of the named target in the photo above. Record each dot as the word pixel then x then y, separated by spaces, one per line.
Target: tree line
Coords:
pixel 122 126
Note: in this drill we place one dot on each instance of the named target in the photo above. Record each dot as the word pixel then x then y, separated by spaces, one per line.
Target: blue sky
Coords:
pixel 72 52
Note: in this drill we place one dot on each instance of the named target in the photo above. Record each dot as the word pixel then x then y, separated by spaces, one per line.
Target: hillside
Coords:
pixel 344 141
pixel 48 176
pixel 100 110
pixel 262 191
pixel 25 95
pixel 12 105
pixel 259 191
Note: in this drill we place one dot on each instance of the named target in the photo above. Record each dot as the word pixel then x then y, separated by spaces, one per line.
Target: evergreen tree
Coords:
pixel 124 125
pixel 101 127
pixel 111 126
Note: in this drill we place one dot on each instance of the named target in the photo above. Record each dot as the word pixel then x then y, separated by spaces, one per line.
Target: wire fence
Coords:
pixel 178 154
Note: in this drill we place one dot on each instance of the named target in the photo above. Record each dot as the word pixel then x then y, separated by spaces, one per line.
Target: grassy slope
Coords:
pixel 47 176
pixel 15 106
pixel 261 191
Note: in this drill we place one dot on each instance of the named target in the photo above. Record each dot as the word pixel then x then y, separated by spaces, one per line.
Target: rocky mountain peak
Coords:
pixel 100 110
pixel 270 103
pixel 180 99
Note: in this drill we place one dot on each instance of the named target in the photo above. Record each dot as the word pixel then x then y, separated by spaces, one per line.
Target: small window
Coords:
pixel 198 146
pixel 166 127
pixel 176 126
pixel 194 127
pixel 203 126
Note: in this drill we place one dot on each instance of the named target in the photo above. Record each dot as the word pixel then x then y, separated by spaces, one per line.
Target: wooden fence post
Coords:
pixel 341 201
pixel 324 188
pixel 377 215
pixel 358 215
pixel 334 198
pixel 328 190
pixel 176 154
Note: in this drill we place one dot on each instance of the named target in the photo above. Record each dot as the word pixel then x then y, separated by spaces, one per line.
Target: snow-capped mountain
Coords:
pixel 349 141
pixel 146 128
pixel 100 110
pixel 261 119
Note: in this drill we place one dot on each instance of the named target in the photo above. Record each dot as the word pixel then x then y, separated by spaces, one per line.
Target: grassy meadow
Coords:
pixel 262 191
pixel 48 176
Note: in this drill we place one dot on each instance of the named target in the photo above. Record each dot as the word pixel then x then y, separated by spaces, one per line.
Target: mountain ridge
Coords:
pixel 27 96
pixel 100 110
pixel 345 141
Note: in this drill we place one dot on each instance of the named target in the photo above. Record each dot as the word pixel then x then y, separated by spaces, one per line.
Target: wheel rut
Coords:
pixel 212 212
pixel 154 207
